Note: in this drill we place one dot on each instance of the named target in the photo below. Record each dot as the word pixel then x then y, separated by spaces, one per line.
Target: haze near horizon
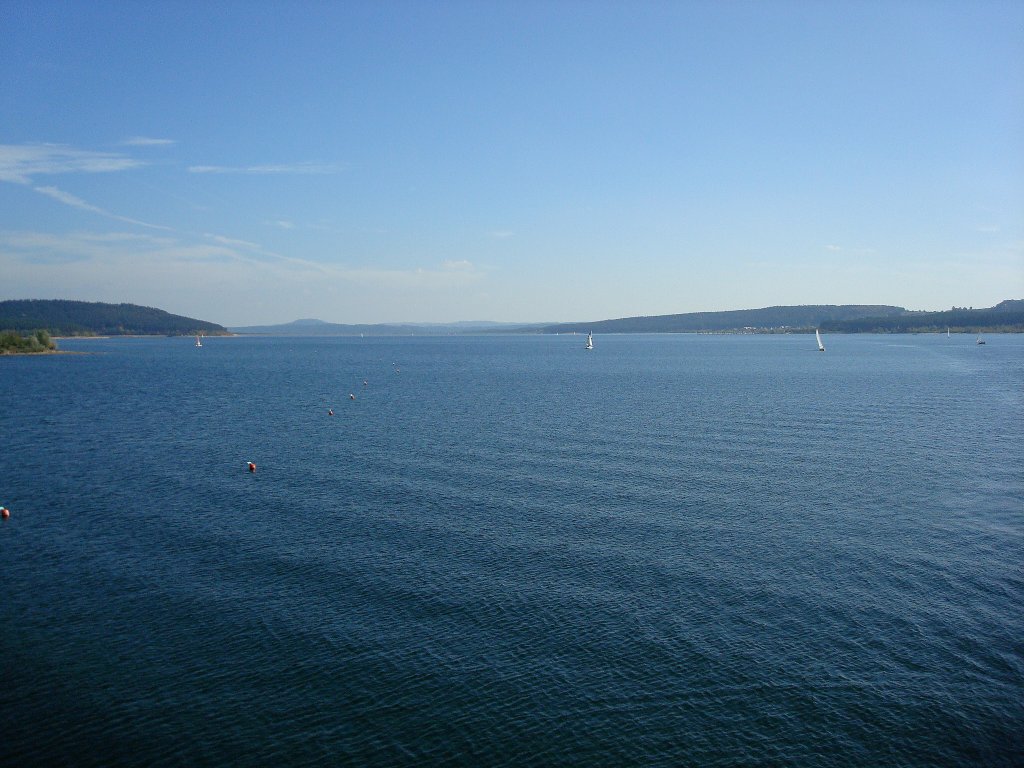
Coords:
pixel 513 162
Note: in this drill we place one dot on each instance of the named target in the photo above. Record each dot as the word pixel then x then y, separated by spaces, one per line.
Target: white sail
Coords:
pixel 590 341
pixel 821 347
pixel 199 341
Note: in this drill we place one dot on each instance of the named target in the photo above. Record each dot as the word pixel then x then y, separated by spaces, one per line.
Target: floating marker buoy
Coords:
pixel 330 411
pixel 5 512
pixel 364 382
pixel 252 467
pixel 351 397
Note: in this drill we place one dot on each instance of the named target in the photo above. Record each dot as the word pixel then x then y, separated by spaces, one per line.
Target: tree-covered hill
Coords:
pixel 87 318
pixel 1005 317
pixel 768 318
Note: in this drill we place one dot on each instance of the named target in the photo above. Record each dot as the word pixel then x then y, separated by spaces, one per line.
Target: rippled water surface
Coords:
pixel 673 550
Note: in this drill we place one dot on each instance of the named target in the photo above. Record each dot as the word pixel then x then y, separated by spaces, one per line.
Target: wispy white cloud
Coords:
pixel 461 265
pixel 211 278
pixel 149 256
pixel 257 251
pixel 831 247
pixel 68 199
pixel 146 141
pixel 20 162
pixel 232 242
pixel 284 224
pixel 46 247
pixel 281 168
pixel 76 202
pixel 106 248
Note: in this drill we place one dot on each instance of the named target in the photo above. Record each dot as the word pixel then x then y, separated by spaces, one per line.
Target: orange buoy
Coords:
pixel 252 467
pixel 5 512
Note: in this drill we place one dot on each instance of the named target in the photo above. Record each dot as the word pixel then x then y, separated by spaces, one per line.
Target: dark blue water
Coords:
pixel 673 550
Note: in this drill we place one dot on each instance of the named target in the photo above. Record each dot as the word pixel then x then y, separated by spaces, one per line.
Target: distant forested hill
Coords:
pixel 766 319
pixel 1005 317
pixel 87 318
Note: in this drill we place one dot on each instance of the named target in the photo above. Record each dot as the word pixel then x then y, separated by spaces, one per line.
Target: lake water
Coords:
pixel 673 550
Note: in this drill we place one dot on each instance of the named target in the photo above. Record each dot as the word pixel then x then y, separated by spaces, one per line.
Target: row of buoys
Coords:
pixel 330 412
pixel 351 396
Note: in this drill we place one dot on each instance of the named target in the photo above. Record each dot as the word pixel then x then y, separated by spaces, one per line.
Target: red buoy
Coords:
pixel 252 467
pixel 5 512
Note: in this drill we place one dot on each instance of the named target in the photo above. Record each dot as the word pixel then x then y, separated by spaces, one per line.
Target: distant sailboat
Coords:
pixel 590 341
pixel 821 347
pixel 199 341
pixel 980 340
pixel 947 331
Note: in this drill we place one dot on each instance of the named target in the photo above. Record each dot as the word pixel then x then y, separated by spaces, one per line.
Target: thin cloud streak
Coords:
pixel 147 263
pixel 214 282
pixel 259 250
pixel 68 199
pixel 255 170
pixel 76 202
pixel 232 242
pixel 146 141
pixel 19 163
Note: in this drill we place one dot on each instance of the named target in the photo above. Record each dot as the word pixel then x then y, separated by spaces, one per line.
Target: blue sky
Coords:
pixel 254 162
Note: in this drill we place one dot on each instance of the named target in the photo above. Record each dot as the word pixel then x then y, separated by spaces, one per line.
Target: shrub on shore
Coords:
pixel 37 341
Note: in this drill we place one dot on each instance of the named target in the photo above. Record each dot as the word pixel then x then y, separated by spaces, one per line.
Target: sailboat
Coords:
pixel 947 331
pixel 980 340
pixel 590 341
pixel 821 347
pixel 199 341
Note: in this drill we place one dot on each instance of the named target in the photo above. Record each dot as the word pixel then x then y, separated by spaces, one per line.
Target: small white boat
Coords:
pixel 199 340
pixel 821 347
pixel 590 341
pixel 980 340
